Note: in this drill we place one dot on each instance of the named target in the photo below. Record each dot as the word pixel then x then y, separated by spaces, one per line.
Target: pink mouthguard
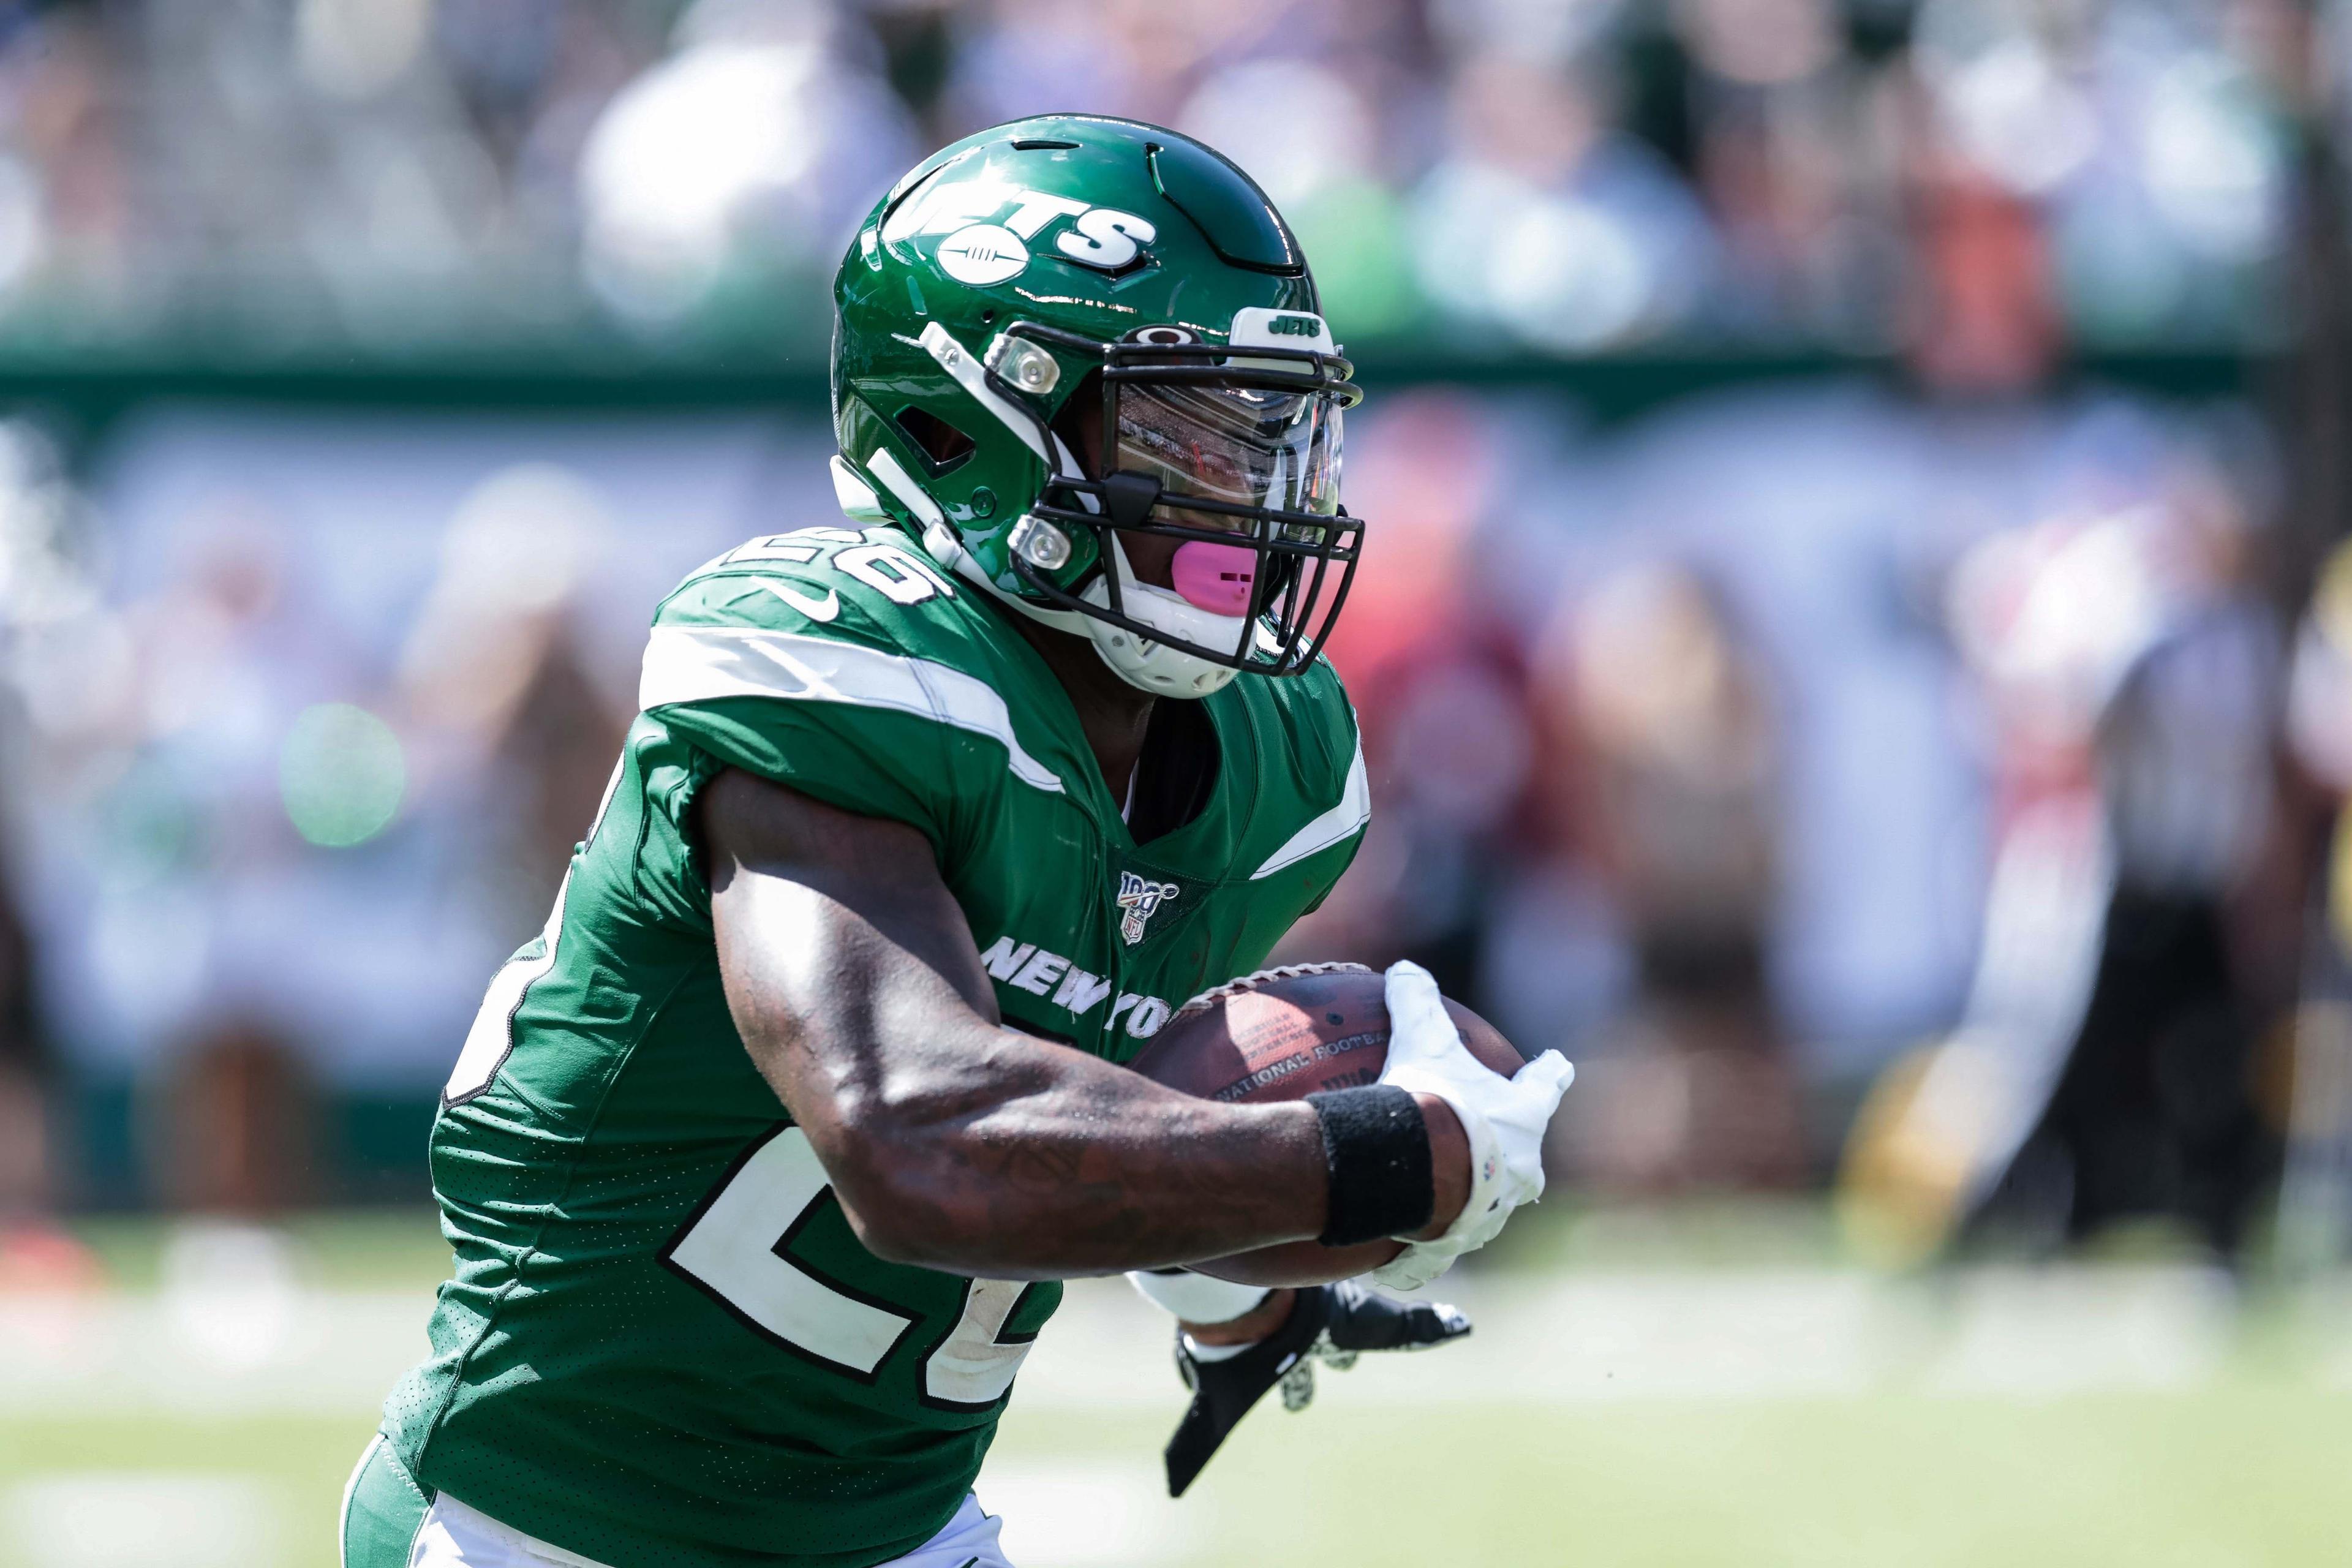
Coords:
pixel 1216 577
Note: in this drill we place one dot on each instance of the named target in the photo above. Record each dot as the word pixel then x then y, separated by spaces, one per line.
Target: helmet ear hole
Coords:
pixel 942 445
pixel 1079 422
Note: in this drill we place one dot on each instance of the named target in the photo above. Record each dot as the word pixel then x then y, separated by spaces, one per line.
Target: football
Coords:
pixel 1284 1035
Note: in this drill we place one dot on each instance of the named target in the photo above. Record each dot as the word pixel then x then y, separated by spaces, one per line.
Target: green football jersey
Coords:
pixel 663 1345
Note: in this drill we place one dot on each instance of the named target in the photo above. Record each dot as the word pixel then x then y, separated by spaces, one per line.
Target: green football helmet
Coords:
pixel 1067 335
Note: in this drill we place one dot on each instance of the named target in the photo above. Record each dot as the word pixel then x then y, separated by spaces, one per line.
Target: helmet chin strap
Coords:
pixel 1155 666
pixel 949 551
pixel 1147 666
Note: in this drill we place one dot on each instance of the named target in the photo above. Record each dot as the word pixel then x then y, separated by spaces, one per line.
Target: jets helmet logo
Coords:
pixel 1142 898
pixel 989 224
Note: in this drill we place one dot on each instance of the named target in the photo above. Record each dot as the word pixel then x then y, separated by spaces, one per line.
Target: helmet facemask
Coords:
pixel 1223 463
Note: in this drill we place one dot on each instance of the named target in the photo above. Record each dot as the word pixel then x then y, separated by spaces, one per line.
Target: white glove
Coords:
pixel 1505 1118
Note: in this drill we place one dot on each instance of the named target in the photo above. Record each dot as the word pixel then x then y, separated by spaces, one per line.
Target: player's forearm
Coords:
pixel 1029 1160
pixel 950 1142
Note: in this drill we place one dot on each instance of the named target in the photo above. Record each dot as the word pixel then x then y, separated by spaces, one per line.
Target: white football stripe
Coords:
pixel 703 664
pixel 1342 822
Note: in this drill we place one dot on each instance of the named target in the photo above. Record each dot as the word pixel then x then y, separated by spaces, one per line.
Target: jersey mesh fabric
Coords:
pixel 599 1376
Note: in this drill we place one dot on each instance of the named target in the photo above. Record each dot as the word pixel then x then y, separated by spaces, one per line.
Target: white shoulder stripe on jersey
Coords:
pixel 700 664
pixel 1337 826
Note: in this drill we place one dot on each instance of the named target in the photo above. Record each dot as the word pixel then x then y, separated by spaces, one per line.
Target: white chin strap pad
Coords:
pixel 1148 666
pixel 1155 666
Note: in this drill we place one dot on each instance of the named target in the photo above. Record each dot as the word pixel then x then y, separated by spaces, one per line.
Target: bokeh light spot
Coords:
pixel 340 775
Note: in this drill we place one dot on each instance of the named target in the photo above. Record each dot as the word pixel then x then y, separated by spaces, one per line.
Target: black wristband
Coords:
pixel 1377 1147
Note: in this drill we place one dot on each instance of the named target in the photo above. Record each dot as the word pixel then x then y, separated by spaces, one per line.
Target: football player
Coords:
pixel 762 1164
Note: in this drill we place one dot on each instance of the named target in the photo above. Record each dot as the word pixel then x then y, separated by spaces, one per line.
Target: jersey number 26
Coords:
pixel 740 1249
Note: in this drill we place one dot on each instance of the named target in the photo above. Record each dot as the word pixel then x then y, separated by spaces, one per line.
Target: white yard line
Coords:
pixel 327 1353
pixel 1741 1336
pixel 1574 1339
pixel 114 1519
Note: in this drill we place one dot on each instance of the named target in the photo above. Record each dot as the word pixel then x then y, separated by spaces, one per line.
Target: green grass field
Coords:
pixel 2238 1476
pixel 2243 1459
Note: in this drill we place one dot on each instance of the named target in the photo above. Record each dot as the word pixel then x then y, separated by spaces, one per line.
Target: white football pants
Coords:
pixel 456 1536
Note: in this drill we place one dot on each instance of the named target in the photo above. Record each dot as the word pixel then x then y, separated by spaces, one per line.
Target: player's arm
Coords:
pixel 952 1142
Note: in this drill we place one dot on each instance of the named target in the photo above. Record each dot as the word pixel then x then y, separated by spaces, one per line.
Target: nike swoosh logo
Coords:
pixel 816 609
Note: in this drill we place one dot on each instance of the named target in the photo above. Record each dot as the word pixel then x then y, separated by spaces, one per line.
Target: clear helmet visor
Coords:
pixel 1236 445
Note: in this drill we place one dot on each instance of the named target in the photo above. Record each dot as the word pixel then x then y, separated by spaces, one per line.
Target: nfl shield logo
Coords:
pixel 1142 898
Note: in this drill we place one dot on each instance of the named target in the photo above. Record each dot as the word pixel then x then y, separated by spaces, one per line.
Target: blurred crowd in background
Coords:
pixel 1979 180
pixel 1740 753
pixel 1920 795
